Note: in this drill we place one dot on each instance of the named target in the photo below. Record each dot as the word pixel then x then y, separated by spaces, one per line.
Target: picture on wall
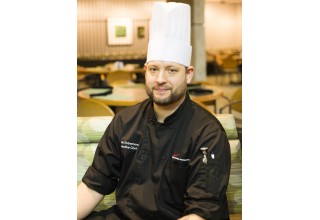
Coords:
pixel 140 32
pixel 120 31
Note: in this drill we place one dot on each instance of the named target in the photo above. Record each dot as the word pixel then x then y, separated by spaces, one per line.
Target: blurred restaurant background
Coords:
pixel 112 40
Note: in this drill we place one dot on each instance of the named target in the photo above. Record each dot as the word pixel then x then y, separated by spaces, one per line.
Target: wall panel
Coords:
pixel 222 26
pixel 92 27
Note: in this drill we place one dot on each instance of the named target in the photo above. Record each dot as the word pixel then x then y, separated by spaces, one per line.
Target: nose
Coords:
pixel 161 77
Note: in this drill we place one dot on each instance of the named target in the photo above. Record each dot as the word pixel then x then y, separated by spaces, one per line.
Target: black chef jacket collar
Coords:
pixel 171 118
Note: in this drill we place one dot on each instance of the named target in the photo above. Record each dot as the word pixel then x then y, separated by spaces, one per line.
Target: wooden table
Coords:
pixel 127 95
pixel 103 72
pixel 106 71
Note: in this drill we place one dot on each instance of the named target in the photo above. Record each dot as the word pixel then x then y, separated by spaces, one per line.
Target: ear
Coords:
pixel 189 73
pixel 145 69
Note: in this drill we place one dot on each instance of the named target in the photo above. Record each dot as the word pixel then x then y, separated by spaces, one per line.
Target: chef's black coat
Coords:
pixel 157 169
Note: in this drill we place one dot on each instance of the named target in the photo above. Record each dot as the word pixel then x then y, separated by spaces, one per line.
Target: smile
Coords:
pixel 160 90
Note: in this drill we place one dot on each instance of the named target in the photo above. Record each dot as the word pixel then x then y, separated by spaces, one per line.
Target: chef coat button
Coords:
pixel 151 123
pixel 130 210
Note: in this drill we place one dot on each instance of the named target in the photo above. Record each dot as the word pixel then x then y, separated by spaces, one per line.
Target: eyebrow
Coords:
pixel 166 66
pixel 152 65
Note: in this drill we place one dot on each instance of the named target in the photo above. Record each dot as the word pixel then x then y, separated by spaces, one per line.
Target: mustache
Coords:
pixel 161 87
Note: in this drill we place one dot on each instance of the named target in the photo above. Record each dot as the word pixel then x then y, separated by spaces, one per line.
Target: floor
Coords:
pixel 236 216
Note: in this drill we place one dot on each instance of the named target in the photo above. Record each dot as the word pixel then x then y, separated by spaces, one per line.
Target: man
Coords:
pixel 166 158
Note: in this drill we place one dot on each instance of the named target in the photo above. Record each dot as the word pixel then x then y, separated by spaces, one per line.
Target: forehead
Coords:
pixel 164 64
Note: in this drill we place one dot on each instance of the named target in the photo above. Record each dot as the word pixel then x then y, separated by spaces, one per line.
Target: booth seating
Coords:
pixel 91 129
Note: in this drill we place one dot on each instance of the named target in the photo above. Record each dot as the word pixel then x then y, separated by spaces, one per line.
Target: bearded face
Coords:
pixel 165 94
pixel 166 82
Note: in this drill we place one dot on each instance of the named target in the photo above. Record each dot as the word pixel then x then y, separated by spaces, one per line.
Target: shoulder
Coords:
pixel 133 112
pixel 203 118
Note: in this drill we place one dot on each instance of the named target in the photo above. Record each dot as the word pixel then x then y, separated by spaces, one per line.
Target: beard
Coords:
pixel 173 97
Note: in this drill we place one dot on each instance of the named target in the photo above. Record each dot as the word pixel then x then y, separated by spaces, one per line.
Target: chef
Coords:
pixel 166 157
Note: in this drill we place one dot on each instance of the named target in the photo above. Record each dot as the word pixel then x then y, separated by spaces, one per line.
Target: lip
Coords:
pixel 160 90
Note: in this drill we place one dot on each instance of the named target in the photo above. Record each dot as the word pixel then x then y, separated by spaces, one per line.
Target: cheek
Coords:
pixel 178 80
pixel 149 79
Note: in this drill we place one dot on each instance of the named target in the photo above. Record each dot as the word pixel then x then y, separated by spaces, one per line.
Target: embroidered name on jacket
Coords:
pixel 129 145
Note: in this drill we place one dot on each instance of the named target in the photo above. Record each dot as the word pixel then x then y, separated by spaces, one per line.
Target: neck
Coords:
pixel 164 111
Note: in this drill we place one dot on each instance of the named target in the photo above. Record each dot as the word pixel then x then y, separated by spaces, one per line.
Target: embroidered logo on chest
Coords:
pixel 175 156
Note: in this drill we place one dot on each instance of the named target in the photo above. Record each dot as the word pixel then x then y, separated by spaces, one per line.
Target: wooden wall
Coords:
pixel 222 27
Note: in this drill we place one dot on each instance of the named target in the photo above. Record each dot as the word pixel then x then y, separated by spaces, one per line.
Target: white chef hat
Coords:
pixel 169 38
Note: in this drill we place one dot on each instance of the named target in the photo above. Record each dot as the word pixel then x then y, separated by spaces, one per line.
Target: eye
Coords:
pixel 172 70
pixel 153 69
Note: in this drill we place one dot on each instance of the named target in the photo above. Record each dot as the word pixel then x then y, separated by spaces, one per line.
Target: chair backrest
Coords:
pixel 237 95
pixel 234 103
pixel 119 77
pixel 229 63
pixel 89 107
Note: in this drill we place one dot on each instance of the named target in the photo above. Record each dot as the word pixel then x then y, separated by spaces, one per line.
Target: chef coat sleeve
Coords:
pixel 102 175
pixel 207 184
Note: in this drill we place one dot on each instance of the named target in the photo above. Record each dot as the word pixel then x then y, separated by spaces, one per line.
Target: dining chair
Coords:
pixel 234 103
pixel 119 77
pixel 230 67
pixel 89 107
pixel 234 107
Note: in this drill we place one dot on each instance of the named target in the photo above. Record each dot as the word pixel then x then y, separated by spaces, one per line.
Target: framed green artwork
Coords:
pixel 141 32
pixel 120 31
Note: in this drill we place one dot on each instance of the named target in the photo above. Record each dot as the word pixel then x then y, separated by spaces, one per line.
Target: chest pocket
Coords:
pixel 174 182
pixel 177 172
